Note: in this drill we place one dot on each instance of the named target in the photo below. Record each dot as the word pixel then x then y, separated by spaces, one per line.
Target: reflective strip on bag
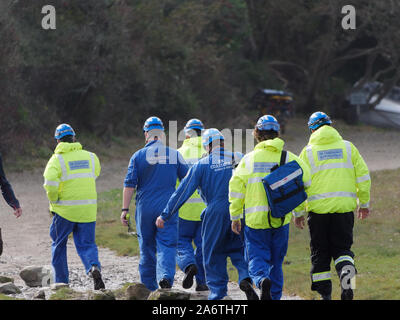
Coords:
pixel 75 202
pixel 337 165
pixel 321 276
pixel 344 258
pixel 255 209
pixel 51 183
pixel 238 195
pixel 286 179
pixel 332 195
pixel 363 178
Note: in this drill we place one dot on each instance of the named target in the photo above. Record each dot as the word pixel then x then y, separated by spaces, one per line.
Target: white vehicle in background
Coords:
pixel 386 113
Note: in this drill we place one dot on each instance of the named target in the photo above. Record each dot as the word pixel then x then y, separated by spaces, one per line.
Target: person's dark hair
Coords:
pixel 68 138
pixel 215 143
pixel 194 133
pixel 262 135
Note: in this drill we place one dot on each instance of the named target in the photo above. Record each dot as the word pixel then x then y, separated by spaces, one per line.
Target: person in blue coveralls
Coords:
pixel 153 172
pixel 211 175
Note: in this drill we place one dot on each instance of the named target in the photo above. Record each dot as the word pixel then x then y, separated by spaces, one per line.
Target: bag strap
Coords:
pixel 281 163
pixel 283 158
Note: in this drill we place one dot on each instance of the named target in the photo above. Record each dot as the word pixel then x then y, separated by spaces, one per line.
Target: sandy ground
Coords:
pixel 27 241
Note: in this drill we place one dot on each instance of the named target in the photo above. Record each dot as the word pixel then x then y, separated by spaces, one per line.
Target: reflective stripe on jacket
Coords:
pixel 70 182
pixel 339 174
pixel 192 150
pixel 246 191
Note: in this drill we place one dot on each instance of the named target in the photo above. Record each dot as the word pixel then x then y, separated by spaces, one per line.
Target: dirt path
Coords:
pixel 27 240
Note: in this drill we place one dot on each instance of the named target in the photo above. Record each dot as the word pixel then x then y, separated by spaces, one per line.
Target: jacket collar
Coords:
pixel 325 135
pixel 64 147
pixel 275 145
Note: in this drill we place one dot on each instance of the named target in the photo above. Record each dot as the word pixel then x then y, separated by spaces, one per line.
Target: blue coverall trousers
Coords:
pixel 157 249
pixel 266 250
pixel 219 243
pixel 84 239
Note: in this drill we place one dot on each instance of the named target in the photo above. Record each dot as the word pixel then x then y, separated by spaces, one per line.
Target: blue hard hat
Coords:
pixel 153 123
pixel 194 124
pixel 268 122
pixel 211 135
pixel 318 119
pixel 63 130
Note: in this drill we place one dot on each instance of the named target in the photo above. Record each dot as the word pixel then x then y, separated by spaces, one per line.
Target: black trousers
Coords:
pixel 331 238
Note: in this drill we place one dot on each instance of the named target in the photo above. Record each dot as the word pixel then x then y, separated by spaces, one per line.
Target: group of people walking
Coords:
pixel 200 204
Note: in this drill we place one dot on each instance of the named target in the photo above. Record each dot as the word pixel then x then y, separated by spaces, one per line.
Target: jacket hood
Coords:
pixel 64 147
pixel 325 135
pixel 274 145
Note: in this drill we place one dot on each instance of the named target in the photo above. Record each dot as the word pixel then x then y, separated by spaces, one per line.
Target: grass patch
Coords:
pixel 376 243
pixel 110 233
pixel 5 297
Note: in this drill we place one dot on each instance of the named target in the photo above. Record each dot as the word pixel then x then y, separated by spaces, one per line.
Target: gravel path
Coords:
pixel 27 241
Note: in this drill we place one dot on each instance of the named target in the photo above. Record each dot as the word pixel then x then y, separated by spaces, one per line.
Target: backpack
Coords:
pixel 284 188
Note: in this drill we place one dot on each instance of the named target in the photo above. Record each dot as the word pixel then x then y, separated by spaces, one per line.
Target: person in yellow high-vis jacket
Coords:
pixel 190 260
pixel 339 177
pixel 70 184
pixel 266 237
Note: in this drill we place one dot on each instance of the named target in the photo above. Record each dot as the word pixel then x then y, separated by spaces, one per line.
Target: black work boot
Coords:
pixel 326 296
pixel 97 280
pixel 347 294
pixel 164 284
pixel 1 244
pixel 202 287
pixel 247 287
pixel 190 272
pixel 265 289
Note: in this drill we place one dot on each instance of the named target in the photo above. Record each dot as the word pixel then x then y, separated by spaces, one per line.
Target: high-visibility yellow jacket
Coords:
pixel 192 150
pixel 339 174
pixel 70 182
pixel 246 190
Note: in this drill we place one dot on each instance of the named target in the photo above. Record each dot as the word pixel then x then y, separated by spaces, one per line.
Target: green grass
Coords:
pixel 110 232
pixel 376 243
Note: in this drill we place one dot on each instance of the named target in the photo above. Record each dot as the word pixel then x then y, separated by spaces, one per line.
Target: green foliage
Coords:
pixel 110 64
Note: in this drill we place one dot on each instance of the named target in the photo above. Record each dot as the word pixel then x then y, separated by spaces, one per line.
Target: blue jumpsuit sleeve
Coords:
pixel 183 168
pixel 185 190
pixel 131 178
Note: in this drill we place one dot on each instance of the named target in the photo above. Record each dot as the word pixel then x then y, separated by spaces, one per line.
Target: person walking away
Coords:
pixel 190 260
pixel 211 175
pixel 266 237
pixel 153 172
pixel 340 176
pixel 70 184
pixel 9 196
